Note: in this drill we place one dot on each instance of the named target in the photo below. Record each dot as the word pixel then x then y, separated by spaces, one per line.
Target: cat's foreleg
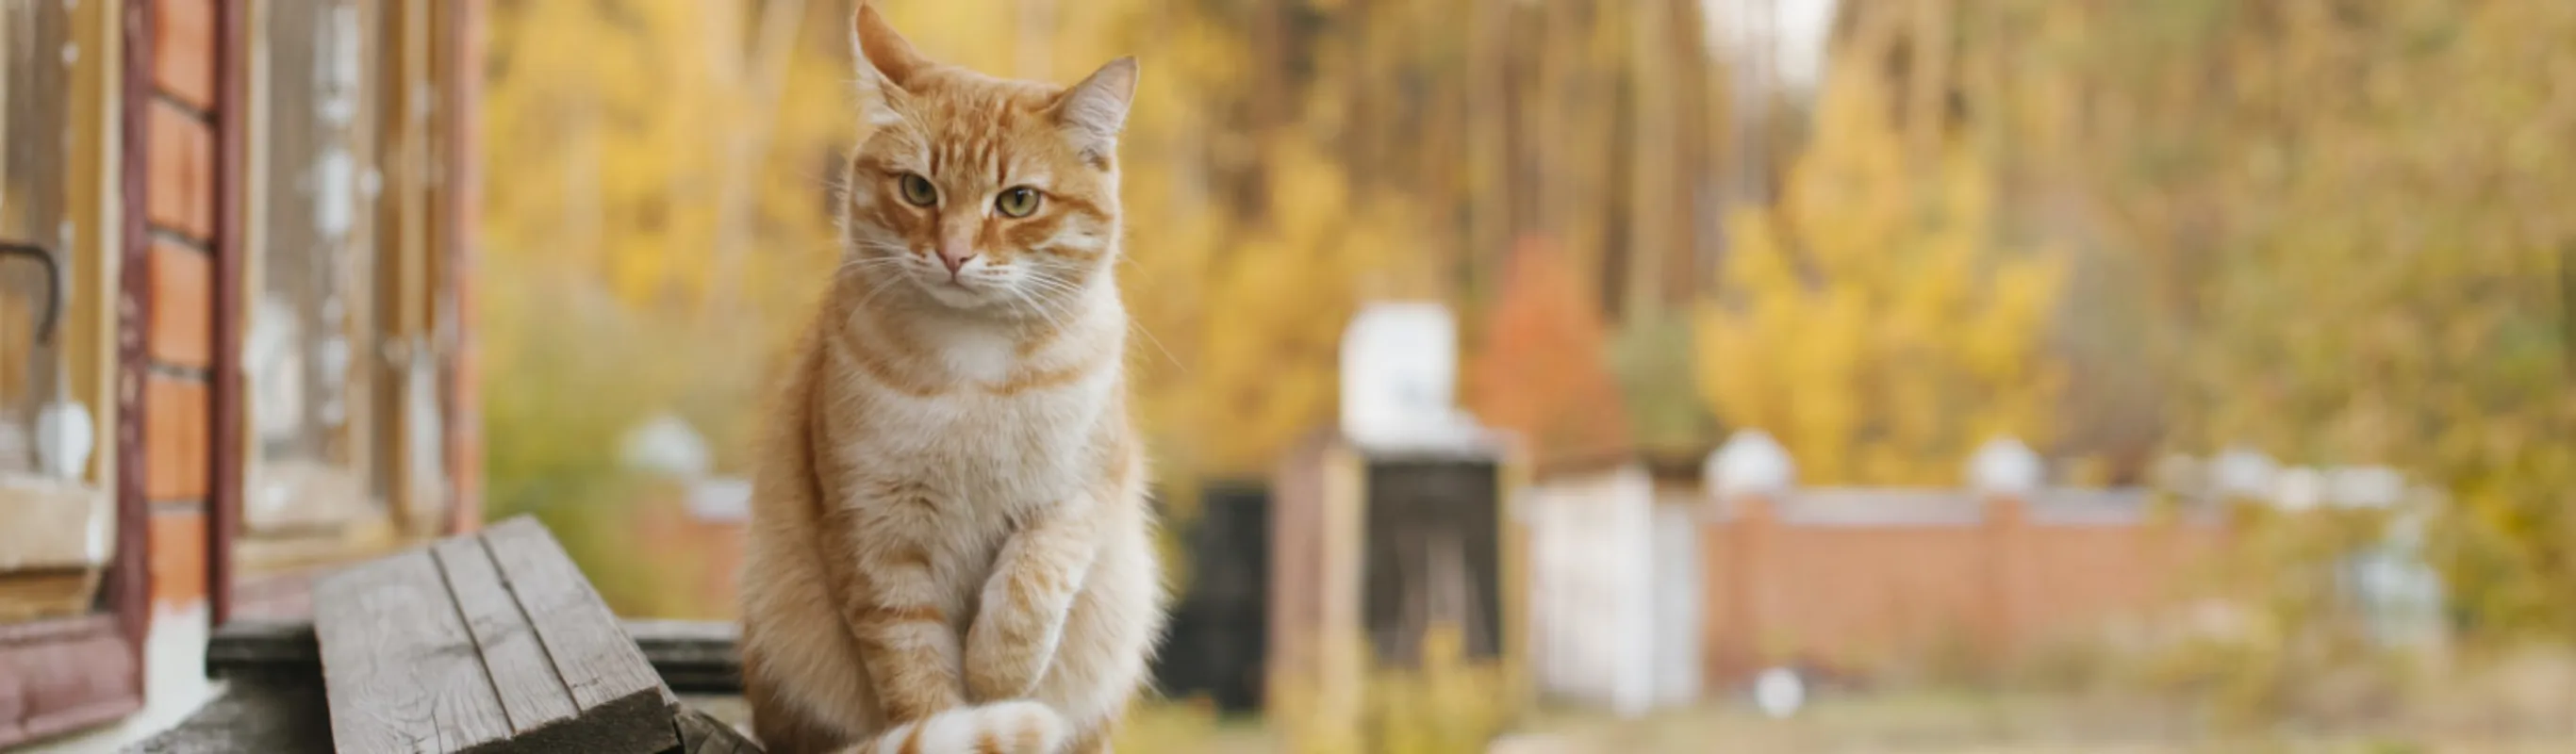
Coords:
pixel 891 605
pixel 1024 603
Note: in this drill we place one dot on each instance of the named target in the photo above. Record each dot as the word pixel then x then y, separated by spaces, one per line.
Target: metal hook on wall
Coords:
pixel 53 285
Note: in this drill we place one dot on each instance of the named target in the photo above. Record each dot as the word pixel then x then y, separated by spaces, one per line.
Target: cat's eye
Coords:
pixel 918 190
pixel 1017 201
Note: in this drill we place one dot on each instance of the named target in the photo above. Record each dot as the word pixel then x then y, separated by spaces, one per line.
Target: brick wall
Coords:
pixel 173 307
pixel 1853 580
pixel 695 557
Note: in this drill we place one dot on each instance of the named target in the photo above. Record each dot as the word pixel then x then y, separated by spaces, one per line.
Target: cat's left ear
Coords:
pixel 1093 112
pixel 887 65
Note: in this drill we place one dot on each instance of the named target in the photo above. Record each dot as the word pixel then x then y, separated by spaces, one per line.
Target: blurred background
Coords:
pixel 2259 313
pixel 1565 375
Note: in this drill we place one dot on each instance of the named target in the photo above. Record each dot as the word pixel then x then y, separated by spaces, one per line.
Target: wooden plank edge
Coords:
pixel 692 657
pixel 643 721
pixel 543 578
pixel 701 733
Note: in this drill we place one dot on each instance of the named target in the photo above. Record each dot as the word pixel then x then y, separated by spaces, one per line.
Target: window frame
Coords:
pixel 406 342
pixel 100 177
pixel 359 330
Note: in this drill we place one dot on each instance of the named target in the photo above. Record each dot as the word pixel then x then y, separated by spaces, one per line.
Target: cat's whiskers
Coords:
pixel 1036 306
pixel 1063 300
pixel 877 284
pixel 1051 283
pixel 884 246
pixel 866 264
pixel 1139 326
pixel 1039 276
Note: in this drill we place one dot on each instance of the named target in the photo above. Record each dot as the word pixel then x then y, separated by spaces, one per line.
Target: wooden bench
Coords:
pixel 490 642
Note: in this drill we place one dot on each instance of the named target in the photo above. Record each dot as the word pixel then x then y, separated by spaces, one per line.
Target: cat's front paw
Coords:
pixel 1002 663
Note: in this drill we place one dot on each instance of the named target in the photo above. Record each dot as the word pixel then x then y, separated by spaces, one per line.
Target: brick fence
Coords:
pixel 1851 579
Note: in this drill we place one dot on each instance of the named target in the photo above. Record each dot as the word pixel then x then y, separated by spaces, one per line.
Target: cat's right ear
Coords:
pixel 885 63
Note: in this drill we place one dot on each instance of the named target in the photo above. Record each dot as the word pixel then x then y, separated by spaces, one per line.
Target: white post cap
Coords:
pixel 1749 463
pixel 2298 488
pixel 667 445
pixel 2243 473
pixel 2004 466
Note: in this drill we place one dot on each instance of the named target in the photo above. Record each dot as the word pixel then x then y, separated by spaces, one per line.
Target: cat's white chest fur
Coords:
pixel 974 354
pixel 997 453
pixel 994 449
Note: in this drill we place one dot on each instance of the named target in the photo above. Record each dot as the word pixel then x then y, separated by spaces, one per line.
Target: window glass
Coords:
pixel 309 343
pixel 34 75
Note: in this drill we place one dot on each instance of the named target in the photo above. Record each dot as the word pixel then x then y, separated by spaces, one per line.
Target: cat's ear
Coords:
pixel 1094 111
pixel 886 65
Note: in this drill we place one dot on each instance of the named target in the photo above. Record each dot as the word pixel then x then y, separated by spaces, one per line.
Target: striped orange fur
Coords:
pixel 950 549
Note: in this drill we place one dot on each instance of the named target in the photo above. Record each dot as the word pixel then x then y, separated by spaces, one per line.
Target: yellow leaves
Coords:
pixel 610 133
pixel 607 127
pixel 1869 321
pixel 1269 332
pixel 1308 193
pixel 1761 260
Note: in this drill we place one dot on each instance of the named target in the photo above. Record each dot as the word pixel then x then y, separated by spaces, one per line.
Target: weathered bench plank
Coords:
pixel 597 661
pixel 269 713
pixel 692 657
pixel 701 733
pixel 401 673
pixel 531 695
pixel 486 642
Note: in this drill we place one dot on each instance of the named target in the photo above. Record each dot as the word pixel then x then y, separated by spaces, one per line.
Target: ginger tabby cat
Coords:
pixel 950 549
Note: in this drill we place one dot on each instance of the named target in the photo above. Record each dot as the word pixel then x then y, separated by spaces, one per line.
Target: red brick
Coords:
pixel 175 421
pixel 183 50
pixel 180 185
pixel 1855 597
pixel 176 541
pixel 183 329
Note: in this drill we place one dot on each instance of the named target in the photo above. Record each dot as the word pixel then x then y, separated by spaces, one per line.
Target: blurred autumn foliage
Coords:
pixel 2332 230
pixel 1871 320
pixel 2336 232
pixel 659 175
pixel 1543 370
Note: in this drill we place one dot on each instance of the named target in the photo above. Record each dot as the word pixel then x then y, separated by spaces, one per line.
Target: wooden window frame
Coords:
pixel 419 226
pixel 105 207
pixel 279 564
pixel 410 141
pixel 102 332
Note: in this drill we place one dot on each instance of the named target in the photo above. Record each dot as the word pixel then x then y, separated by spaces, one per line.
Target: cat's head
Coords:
pixel 980 193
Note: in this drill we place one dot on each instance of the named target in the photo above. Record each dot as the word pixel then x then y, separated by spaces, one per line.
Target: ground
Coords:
pixel 1918 723
pixel 1947 724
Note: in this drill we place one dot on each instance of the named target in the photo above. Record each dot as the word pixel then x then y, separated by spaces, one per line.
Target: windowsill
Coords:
pixel 265 554
pixel 55 541
pixel 64 667
pixel 301 515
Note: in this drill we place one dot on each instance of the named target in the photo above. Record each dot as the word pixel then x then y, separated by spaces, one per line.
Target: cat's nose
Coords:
pixel 955 259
